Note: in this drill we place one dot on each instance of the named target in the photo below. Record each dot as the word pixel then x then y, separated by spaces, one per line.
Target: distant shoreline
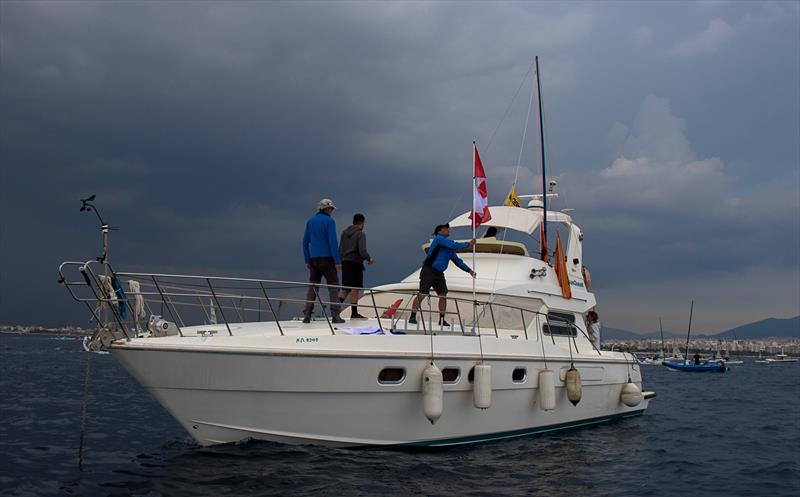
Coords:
pixel 76 334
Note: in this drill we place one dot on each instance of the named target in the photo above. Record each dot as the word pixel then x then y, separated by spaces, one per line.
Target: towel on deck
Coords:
pixel 364 330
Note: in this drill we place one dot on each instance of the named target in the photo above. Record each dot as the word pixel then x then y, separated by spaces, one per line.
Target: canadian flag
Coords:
pixel 480 199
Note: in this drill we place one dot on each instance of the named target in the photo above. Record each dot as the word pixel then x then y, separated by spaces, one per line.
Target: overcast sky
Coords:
pixel 209 131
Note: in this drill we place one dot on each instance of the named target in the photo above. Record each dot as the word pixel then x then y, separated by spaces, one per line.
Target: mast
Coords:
pixel 474 215
pixel 661 328
pixel 688 332
pixel 544 169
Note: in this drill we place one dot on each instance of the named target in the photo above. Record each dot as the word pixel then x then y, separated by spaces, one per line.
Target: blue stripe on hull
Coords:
pixel 520 433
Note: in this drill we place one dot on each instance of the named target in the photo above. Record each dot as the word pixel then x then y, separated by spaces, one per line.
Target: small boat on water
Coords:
pixel 780 358
pixel 695 366
pixel 706 367
pixel 661 356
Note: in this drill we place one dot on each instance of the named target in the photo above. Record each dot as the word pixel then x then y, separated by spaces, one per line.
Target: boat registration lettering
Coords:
pixel 306 340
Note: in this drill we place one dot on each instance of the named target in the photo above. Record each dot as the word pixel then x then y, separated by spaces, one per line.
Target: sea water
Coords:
pixel 732 434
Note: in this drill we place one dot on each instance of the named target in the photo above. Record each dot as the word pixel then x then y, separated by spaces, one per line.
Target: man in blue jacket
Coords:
pixel 321 253
pixel 441 251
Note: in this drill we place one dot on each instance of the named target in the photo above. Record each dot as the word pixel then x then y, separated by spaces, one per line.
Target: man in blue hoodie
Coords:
pixel 441 251
pixel 321 253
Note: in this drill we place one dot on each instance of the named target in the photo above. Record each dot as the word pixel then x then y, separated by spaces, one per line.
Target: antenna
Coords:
pixel 87 205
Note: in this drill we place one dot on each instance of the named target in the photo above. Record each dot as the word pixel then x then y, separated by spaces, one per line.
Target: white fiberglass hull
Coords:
pixel 331 397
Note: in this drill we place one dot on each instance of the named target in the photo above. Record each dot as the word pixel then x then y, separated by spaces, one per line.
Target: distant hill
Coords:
pixel 766 328
pixel 618 334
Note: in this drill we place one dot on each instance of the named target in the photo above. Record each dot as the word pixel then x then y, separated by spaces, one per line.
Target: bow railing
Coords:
pixel 134 304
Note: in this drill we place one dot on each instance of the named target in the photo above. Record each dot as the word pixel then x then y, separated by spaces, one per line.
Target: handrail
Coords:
pixel 189 291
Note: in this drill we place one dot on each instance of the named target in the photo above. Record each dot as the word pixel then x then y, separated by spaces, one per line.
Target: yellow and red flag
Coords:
pixel 512 200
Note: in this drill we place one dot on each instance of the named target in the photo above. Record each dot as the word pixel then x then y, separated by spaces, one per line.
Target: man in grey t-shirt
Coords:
pixel 353 250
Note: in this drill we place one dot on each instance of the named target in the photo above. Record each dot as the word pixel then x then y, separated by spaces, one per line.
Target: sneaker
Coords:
pixel 412 319
pixel 307 319
pixel 443 323
pixel 356 315
pixel 337 320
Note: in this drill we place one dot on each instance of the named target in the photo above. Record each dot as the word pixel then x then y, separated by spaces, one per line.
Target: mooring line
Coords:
pixel 86 379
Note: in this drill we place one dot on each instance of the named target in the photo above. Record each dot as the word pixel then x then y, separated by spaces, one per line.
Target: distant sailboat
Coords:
pixel 696 366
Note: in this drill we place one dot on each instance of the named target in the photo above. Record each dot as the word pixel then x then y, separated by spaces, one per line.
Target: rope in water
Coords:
pixel 84 404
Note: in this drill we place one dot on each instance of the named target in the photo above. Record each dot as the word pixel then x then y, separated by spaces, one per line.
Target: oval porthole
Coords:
pixel 519 375
pixel 451 376
pixel 471 375
pixel 391 376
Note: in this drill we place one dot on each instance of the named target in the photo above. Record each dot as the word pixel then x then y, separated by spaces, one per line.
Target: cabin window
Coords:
pixel 471 375
pixel 391 376
pixel 560 323
pixel 519 375
pixel 451 375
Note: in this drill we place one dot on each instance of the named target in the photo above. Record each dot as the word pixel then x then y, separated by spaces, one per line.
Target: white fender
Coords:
pixel 573 381
pixel 547 389
pixel 482 386
pixel 432 392
pixel 631 396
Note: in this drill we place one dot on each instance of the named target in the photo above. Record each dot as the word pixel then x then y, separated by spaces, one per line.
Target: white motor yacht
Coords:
pixel 230 359
pixel 227 358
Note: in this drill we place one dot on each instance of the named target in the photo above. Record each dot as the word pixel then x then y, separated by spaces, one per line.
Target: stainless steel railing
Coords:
pixel 191 300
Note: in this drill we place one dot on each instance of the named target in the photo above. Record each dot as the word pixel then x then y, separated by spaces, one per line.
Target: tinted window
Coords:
pixel 451 375
pixel 391 375
pixel 560 323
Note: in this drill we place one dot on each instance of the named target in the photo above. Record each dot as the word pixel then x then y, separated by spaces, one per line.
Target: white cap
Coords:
pixel 325 203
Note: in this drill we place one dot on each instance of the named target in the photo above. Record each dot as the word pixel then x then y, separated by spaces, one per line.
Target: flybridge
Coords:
pixel 515 218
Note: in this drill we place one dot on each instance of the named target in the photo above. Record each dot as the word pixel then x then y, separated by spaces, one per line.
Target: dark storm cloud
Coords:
pixel 209 130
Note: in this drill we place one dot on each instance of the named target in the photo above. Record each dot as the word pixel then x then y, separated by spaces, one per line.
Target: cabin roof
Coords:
pixel 515 218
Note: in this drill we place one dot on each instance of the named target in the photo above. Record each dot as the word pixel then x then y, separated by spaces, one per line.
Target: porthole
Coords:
pixel 450 376
pixel 391 376
pixel 471 375
pixel 519 375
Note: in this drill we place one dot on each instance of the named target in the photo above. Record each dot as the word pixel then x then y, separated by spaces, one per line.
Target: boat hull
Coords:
pixel 334 400
pixel 696 368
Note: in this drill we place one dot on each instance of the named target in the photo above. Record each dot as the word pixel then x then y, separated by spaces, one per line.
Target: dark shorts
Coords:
pixel 352 274
pixel 431 278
